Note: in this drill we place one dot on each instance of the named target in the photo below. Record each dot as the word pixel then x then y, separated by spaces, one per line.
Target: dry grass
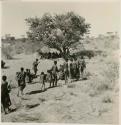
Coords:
pixel 63 103
pixel 7 52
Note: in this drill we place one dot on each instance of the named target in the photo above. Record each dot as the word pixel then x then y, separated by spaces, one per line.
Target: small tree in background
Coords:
pixel 61 31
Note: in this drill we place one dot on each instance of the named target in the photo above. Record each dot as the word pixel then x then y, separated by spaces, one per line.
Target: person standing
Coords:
pixel 54 73
pixel 74 69
pixel 5 98
pixel 27 78
pixel 35 65
pixel 21 83
pixel 71 71
pixel 66 71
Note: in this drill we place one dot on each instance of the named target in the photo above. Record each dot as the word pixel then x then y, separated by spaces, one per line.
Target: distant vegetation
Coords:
pixel 92 46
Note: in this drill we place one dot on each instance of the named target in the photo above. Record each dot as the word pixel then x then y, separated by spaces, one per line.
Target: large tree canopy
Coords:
pixel 60 31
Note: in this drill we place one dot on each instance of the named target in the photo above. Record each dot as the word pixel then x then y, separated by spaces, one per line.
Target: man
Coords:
pixel 21 81
pixel 35 64
pixel 66 71
pixel 54 73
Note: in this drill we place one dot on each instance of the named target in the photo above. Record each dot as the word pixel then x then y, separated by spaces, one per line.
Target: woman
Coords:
pixel 5 98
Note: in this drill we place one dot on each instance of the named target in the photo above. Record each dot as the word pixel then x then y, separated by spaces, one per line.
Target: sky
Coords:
pixel 103 16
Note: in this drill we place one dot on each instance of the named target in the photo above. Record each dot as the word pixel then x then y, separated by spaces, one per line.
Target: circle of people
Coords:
pixel 71 69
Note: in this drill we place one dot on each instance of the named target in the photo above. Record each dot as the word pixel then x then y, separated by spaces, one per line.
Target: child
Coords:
pixel 42 79
pixel 5 98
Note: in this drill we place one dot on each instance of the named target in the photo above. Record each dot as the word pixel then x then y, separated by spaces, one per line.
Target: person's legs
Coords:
pixel 50 83
pixel 65 77
pixel 18 91
pixel 44 85
pixel 22 92
pixel 35 71
pixel 82 72
pixel 77 74
pixel 3 104
pixel 55 80
pixel 5 110
pixel 23 87
pixel 53 83
pixel 18 88
pixel 30 78
pixel 9 100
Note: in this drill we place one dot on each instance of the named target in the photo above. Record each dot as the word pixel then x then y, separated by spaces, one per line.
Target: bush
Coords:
pixel 7 52
pixel 88 53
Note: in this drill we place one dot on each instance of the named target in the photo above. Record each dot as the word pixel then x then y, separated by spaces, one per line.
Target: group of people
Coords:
pixel 22 78
pixel 69 70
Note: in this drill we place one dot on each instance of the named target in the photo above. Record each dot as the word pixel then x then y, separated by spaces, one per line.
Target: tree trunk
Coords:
pixel 64 52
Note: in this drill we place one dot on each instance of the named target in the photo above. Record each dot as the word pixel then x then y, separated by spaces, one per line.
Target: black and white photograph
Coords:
pixel 60 61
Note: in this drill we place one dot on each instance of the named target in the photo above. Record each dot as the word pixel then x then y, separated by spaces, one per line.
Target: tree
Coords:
pixel 60 31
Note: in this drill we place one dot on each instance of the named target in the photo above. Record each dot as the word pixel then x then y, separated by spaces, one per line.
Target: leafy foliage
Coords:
pixel 58 31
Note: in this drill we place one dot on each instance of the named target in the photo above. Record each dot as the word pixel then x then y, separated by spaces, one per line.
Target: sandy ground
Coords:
pixel 69 103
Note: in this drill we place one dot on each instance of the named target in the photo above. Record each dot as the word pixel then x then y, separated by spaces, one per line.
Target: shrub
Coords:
pixel 7 52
